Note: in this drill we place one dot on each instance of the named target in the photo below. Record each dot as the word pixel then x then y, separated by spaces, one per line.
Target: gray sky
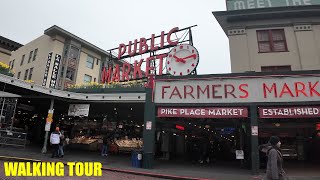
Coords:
pixel 107 23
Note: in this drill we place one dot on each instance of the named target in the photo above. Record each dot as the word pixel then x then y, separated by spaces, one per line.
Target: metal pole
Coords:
pixel 14 113
pixel 44 148
pixel 4 100
pixel 254 140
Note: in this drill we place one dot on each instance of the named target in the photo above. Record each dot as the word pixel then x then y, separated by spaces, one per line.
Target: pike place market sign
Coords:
pixel 238 90
pixel 254 4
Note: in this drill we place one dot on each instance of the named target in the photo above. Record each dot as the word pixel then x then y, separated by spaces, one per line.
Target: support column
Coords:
pixel 149 131
pixel 255 162
pixel 47 126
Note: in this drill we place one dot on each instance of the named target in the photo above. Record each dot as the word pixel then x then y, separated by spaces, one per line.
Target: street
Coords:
pixel 105 175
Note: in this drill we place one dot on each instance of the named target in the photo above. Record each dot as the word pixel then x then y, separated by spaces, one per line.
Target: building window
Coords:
pixel 35 54
pixel 26 74
pixel 9 64
pixel 12 64
pixel 272 41
pixel 30 73
pixel 94 79
pixel 22 59
pixel 19 74
pixel 90 62
pixel 97 62
pixel 74 52
pixel 87 78
pixel 30 56
pixel 70 74
pixel 275 68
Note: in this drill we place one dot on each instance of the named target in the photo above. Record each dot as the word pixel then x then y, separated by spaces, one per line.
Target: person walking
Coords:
pixel 61 144
pixel 55 140
pixel 104 151
pixel 275 159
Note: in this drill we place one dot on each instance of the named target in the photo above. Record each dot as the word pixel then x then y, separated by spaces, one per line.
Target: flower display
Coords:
pixel 5 69
pixel 29 81
pixel 95 85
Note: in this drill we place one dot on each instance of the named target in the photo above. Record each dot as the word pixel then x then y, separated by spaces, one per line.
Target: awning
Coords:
pixel 8 95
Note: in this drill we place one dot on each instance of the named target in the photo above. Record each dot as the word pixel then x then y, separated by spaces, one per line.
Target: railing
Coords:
pixel 13 138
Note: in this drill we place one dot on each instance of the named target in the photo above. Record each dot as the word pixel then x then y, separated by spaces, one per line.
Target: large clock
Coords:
pixel 182 60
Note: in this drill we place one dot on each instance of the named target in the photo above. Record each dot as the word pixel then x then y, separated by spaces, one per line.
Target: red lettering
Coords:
pixel 312 90
pixel 126 68
pixel 116 73
pixel 160 57
pixel 214 91
pixel 302 90
pixel 246 93
pixel 226 90
pixel 137 69
pixel 175 92
pixel 163 90
pixel 202 91
pixel 121 50
pixel 172 43
pixel 188 93
pixel 143 45
pixel 106 76
pixel 148 65
pixel 132 53
pixel 162 39
pixel 273 88
pixel 286 90
pixel 152 47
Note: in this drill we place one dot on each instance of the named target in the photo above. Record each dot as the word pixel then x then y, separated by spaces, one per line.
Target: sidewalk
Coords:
pixel 122 163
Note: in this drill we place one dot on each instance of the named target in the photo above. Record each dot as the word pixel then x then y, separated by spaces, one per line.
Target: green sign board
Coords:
pixel 254 4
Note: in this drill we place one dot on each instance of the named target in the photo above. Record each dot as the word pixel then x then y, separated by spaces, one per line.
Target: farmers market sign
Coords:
pixel 254 4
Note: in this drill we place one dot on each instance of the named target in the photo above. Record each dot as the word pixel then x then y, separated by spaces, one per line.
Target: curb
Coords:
pixel 164 176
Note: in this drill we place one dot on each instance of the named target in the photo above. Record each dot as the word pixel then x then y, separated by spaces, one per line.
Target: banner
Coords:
pixel 213 112
pixel 46 70
pixel 78 109
pixel 289 112
pixel 55 71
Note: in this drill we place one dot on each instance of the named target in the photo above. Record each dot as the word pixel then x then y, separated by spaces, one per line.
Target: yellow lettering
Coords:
pixel 43 169
pixel 88 168
pixel 28 169
pixel 59 169
pixel 70 164
pixel 21 169
pixel 36 169
pixel 10 168
pixel 79 169
pixel 97 169
pixel 50 169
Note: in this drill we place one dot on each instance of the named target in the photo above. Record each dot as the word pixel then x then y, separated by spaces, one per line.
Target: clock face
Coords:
pixel 182 60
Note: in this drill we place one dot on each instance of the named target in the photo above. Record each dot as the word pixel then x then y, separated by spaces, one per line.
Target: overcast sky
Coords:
pixel 107 23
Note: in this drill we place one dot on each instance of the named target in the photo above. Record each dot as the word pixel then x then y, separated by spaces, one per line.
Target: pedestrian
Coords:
pixel 275 160
pixel 104 151
pixel 54 141
pixel 61 144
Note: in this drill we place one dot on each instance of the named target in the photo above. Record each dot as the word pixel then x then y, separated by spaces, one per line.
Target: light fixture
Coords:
pixel 232 136
pixel 115 109
pixel 277 124
pixel 131 109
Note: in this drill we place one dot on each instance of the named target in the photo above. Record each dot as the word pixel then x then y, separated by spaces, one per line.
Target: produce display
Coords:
pixel 128 145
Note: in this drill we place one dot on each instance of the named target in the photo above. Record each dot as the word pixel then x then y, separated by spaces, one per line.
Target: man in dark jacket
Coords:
pixel 104 151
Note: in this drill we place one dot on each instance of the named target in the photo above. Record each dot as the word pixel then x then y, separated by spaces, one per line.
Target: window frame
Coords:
pixel 30 73
pixel 271 41
pixel 35 52
pixel 26 72
pixel 30 56
pixel 18 75
pixel 90 62
pixel 22 59
pixel 86 75
pixel 280 68
pixel 12 64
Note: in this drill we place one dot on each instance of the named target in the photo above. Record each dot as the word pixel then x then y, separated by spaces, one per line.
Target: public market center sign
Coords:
pixel 254 4
pixel 238 89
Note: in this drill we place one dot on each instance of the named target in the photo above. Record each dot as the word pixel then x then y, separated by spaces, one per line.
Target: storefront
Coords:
pixel 255 105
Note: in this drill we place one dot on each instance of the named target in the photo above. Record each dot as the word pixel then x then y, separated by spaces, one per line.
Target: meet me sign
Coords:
pixel 254 4
pixel 238 90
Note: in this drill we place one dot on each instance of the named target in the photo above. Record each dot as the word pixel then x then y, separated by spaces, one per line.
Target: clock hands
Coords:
pixel 183 60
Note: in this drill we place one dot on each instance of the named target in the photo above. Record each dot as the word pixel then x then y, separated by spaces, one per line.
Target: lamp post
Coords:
pixel 47 126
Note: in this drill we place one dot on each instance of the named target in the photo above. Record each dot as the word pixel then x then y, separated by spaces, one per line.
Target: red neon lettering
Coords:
pixel 137 69
pixel 162 39
pixel 214 91
pixel 298 90
pixel 175 92
pixel 148 67
pixel 312 89
pixel 132 53
pixel 172 43
pixel 226 91
pixel 273 88
pixel 116 73
pixel 246 93
pixel 163 90
pixel 143 47
pixel 188 92
pixel 121 50
pixel 286 90
pixel 206 89
pixel 106 76
pixel 126 67
pixel 160 57
pixel 152 47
